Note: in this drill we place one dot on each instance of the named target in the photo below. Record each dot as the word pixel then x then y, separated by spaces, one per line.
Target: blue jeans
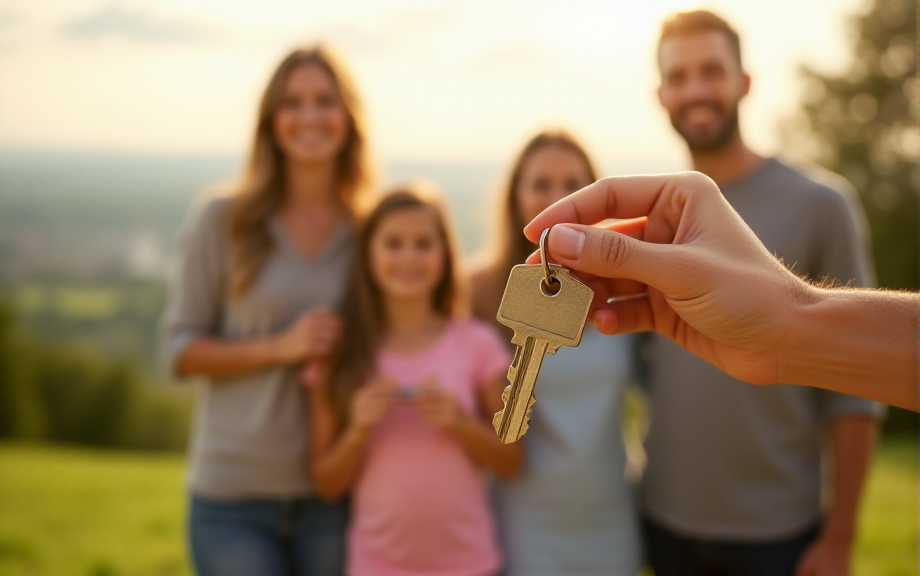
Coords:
pixel 296 537
pixel 672 554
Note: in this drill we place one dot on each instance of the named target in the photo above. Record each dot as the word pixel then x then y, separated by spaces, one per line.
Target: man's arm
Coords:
pixel 852 438
pixel 841 250
pixel 716 291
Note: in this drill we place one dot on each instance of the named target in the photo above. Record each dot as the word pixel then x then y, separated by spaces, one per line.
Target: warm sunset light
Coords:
pixel 443 80
pixel 459 287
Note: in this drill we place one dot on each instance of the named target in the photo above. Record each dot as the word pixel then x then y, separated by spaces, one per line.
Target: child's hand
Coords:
pixel 437 407
pixel 371 403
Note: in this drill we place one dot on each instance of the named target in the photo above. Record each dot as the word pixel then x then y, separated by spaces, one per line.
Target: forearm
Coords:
pixel 217 358
pixel 853 442
pixel 858 342
pixel 334 470
pixel 480 441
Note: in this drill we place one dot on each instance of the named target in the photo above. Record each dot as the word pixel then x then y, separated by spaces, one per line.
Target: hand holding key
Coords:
pixel 716 291
pixel 692 242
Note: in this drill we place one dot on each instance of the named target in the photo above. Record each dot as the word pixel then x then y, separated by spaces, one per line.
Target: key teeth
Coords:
pixel 497 421
pixel 497 418
pixel 526 424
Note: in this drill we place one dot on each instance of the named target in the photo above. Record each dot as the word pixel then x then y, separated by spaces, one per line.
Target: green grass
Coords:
pixel 887 544
pixel 78 512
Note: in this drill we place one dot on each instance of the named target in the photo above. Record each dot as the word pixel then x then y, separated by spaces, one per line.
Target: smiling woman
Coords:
pixel 262 272
pixel 308 114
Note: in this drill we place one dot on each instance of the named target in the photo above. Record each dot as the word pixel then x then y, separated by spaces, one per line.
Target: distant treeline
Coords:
pixel 115 316
pixel 62 392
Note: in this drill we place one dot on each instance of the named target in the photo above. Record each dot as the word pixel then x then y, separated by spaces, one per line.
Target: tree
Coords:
pixel 862 124
pixel 62 392
pixel 20 409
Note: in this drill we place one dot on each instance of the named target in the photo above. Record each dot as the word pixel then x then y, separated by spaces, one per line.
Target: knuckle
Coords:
pixel 613 250
pixel 701 183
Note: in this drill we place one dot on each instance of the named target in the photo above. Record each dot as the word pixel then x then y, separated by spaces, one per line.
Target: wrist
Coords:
pixel 801 325
pixel 839 529
pixel 269 351
pixel 356 435
pixel 461 424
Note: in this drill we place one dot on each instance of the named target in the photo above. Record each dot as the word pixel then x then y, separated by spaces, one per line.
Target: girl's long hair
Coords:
pixel 511 247
pixel 352 364
pixel 261 191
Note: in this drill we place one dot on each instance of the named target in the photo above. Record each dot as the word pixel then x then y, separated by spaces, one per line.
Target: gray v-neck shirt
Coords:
pixel 729 460
pixel 250 433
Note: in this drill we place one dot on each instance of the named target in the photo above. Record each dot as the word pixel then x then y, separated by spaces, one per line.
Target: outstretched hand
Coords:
pixel 712 286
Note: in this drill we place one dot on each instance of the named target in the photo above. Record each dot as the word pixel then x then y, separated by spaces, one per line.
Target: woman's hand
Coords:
pixel 313 335
pixel 370 404
pixel 437 407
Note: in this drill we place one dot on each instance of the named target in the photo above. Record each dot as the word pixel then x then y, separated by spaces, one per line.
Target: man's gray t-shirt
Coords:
pixel 250 433
pixel 733 461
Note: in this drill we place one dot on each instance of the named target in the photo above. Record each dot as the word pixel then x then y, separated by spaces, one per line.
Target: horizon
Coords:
pixel 183 78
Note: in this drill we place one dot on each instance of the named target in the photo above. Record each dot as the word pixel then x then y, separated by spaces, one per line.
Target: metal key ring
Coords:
pixel 549 285
pixel 546 271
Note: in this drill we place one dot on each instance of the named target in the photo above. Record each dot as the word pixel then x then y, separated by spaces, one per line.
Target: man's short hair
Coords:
pixel 686 23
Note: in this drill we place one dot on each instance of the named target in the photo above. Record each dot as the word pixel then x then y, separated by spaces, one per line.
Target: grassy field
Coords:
pixel 888 533
pixel 78 512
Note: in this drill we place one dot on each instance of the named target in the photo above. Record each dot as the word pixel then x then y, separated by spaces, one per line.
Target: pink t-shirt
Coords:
pixel 420 504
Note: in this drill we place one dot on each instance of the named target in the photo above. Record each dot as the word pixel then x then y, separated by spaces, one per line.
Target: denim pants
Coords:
pixel 287 537
pixel 671 554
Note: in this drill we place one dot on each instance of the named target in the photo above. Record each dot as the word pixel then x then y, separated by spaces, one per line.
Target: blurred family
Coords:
pixel 351 365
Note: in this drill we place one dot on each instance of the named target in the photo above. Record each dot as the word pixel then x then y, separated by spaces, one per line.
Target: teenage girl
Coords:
pixel 401 414
pixel 570 511
pixel 260 272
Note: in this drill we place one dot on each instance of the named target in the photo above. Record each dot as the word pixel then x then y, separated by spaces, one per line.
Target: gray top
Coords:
pixel 571 511
pixel 731 460
pixel 249 438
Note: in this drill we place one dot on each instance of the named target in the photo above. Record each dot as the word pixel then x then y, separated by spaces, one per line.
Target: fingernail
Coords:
pixel 566 242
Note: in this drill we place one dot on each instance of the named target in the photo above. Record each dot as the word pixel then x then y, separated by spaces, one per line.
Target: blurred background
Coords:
pixel 115 115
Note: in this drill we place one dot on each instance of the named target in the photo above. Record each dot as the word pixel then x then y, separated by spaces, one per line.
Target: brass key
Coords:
pixel 547 307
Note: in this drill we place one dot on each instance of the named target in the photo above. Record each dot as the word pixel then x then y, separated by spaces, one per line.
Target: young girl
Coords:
pixel 401 413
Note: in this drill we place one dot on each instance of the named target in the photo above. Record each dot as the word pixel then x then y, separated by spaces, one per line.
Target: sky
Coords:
pixel 459 81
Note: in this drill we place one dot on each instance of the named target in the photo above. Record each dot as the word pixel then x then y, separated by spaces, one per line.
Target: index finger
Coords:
pixel 611 197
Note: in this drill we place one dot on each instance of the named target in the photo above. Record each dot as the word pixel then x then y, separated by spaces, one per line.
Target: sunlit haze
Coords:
pixel 443 81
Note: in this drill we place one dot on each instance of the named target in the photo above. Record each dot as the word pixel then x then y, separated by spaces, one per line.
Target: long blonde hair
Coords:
pixel 511 247
pixel 260 194
pixel 352 363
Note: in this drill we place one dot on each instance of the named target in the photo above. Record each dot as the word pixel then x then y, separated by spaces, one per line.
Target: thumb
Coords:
pixel 610 254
